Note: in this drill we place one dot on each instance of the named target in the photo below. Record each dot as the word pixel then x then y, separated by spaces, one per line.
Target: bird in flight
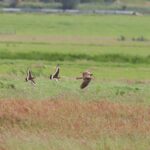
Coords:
pixel 55 75
pixel 29 77
pixel 87 77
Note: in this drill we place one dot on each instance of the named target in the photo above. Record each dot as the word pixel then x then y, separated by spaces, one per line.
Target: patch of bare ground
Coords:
pixel 74 118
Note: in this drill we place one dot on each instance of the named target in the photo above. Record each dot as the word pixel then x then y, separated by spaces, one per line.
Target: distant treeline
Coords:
pixel 66 4
pixel 82 1
pixel 115 58
pixel 73 4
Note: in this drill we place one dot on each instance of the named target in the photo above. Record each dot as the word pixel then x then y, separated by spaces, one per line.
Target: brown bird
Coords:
pixel 55 75
pixel 86 76
pixel 30 77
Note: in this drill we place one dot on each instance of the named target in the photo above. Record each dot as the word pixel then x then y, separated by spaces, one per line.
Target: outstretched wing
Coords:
pixel 32 80
pixel 55 75
pixel 30 75
pixel 85 83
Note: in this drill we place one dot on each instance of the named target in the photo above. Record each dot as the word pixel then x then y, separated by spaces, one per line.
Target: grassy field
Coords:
pixel 112 113
pixel 79 25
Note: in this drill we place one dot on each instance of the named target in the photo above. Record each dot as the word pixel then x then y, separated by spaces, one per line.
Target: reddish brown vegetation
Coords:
pixel 74 118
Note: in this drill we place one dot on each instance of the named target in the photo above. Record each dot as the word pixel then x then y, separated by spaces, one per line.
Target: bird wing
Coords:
pixel 85 83
pixel 33 81
pixel 55 75
pixel 30 75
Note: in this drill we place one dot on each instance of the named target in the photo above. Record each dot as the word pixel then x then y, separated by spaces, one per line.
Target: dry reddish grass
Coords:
pixel 74 118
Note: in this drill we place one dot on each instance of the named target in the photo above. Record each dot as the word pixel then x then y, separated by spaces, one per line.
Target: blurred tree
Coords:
pixel 109 1
pixel 58 0
pixel 87 1
pixel 46 1
pixel 70 4
pixel 14 3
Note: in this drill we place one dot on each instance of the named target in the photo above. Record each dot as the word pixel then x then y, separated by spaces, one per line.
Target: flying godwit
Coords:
pixel 86 76
pixel 29 77
pixel 55 75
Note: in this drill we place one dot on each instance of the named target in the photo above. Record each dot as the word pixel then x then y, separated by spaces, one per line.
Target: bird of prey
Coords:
pixel 55 75
pixel 30 77
pixel 86 76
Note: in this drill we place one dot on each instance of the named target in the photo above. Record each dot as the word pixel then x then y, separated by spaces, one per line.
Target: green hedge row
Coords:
pixel 73 57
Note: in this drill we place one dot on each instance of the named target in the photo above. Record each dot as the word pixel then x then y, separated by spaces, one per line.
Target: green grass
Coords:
pixel 52 142
pixel 77 43
pixel 122 48
pixel 118 96
pixel 75 57
pixel 92 25
pixel 125 83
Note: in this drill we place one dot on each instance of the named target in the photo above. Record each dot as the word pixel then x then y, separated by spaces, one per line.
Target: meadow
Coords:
pixel 112 113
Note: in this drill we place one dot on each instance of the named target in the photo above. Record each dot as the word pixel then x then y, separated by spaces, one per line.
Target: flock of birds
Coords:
pixel 86 77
